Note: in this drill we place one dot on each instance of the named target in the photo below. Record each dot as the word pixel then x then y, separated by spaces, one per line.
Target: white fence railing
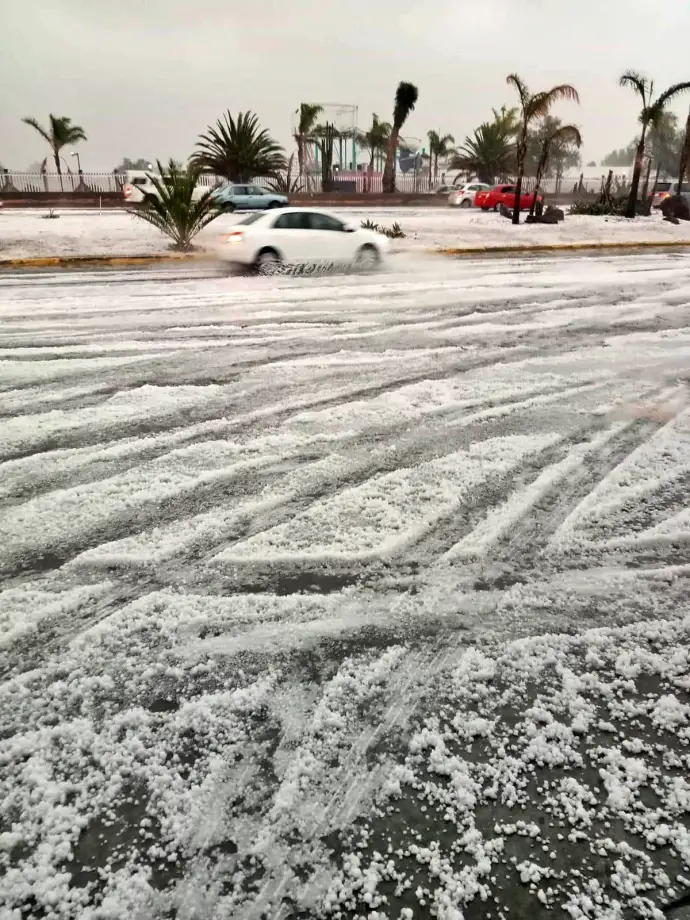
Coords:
pixel 358 182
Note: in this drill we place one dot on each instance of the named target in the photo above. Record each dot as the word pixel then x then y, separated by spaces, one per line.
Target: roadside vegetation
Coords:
pixel 525 144
pixel 394 232
pixel 175 209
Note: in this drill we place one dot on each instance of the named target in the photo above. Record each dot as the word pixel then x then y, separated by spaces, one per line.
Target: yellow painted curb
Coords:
pixel 557 247
pixel 67 261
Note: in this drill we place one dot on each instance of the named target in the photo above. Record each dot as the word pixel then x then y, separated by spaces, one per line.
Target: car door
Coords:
pixel 471 191
pixel 292 236
pixel 508 195
pixel 330 241
pixel 256 197
pixel 240 197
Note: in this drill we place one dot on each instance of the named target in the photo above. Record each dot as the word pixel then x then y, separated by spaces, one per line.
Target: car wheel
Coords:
pixel 273 204
pixel 267 262
pixel 497 206
pixel 367 258
pixel 228 206
pixel 465 203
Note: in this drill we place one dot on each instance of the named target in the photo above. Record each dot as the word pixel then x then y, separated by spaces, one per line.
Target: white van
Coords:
pixel 138 181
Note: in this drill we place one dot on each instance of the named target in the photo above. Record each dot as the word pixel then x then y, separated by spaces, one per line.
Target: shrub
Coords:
pixel 395 232
pixel 614 207
pixel 173 209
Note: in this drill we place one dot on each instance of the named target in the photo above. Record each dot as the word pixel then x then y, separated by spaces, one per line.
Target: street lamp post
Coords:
pixel 81 187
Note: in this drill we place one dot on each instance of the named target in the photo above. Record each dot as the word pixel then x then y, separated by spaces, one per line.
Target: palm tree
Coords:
pixel 174 208
pixel 488 154
pixel 375 140
pixel 439 146
pixel 239 150
pixel 507 119
pixel 308 113
pixel 532 107
pixel 61 133
pixel 651 114
pixel 563 135
pixel 665 141
pixel 286 184
pixel 405 100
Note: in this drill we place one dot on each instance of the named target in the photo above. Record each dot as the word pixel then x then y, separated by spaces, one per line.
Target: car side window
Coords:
pixel 239 190
pixel 292 221
pixel 508 189
pixel 325 222
pixel 255 190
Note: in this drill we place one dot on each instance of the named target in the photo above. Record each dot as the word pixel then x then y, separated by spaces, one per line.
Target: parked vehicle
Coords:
pixel 138 182
pixel 248 198
pixel 301 236
pixel 666 189
pixel 463 195
pixel 503 194
pixel 669 205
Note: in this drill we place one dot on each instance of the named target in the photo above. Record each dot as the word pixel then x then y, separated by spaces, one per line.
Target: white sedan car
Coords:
pixel 301 236
pixel 463 196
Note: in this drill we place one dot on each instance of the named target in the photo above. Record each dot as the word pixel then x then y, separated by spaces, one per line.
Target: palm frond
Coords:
pixel 174 208
pixel 406 96
pixel 308 113
pixel 670 94
pixel 239 149
pixel 567 134
pixel 38 127
pixel 539 105
pixel 488 153
pixel 635 81
pixel 285 184
pixel 523 92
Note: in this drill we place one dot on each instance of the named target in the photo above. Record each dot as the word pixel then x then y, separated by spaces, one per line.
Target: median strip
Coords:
pixel 516 248
pixel 557 247
pixel 86 261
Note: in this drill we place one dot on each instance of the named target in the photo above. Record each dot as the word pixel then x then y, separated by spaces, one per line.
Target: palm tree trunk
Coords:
pixel 389 168
pixel 521 155
pixel 648 211
pixel 56 157
pixel 645 186
pixel 541 169
pixel 300 158
pixel 631 208
pixel 684 156
pixel 533 206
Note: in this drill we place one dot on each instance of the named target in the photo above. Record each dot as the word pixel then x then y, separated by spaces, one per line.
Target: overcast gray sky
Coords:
pixel 145 77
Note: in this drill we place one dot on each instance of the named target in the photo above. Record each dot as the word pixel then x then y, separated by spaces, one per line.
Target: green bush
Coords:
pixel 615 207
pixel 395 232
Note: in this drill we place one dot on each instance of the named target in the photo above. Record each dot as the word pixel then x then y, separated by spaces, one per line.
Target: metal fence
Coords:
pixel 352 182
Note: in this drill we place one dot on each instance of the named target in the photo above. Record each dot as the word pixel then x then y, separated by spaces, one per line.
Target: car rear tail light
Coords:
pixel 127 191
pixel 234 237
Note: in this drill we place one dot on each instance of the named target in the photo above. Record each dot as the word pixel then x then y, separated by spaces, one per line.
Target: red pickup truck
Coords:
pixel 503 194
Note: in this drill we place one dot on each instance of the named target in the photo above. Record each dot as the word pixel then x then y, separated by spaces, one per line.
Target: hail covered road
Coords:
pixel 346 596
